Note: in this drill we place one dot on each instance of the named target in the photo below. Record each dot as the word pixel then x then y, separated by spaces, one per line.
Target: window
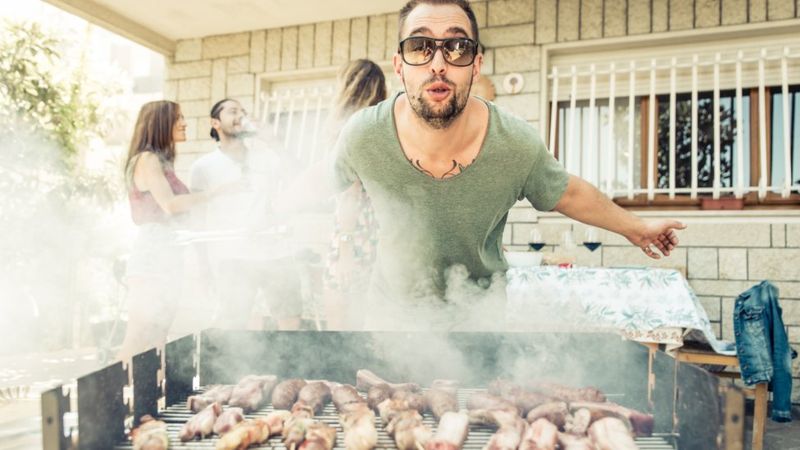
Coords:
pixel 638 159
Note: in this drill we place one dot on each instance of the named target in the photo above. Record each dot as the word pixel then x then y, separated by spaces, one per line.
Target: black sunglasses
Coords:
pixel 419 50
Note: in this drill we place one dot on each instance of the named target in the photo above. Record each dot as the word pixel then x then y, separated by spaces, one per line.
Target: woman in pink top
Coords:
pixel 158 199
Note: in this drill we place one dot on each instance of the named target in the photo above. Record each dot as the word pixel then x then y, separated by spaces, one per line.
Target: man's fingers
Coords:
pixel 649 252
pixel 661 247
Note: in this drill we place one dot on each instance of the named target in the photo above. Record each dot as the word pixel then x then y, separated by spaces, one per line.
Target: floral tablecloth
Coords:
pixel 642 304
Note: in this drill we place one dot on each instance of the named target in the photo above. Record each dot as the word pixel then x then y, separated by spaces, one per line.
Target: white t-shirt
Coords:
pixel 246 214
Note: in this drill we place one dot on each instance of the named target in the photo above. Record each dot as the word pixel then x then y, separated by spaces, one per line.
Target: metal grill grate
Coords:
pixel 176 415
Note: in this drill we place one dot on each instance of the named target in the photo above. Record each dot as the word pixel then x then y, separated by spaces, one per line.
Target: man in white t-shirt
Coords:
pixel 249 252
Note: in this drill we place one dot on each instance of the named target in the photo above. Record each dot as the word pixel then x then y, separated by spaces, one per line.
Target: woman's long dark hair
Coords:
pixel 153 133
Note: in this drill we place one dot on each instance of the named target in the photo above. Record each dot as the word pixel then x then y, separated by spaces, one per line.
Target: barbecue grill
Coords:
pixel 692 408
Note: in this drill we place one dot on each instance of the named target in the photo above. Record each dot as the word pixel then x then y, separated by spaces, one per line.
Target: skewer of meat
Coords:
pixel 611 433
pixel 285 393
pixel 642 424
pixel 366 379
pixel 252 392
pixel 218 393
pixel 540 435
pixel 227 420
pixel 377 394
pixel 151 434
pixel 482 400
pixel 201 424
pixel 441 401
pixel 356 417
pixel 408 430
pixel 451 433
pixel 319 436
pixel 244 434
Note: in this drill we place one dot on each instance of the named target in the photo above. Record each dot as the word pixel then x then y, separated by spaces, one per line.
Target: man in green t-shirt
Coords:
pixel 443 169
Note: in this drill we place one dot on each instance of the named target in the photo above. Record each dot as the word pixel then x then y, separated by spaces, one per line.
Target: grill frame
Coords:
pixel 693 409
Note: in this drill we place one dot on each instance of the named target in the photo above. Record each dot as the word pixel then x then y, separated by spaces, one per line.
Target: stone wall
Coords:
pixel 720 257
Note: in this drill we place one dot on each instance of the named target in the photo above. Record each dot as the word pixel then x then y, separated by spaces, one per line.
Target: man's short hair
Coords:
pixel 463 4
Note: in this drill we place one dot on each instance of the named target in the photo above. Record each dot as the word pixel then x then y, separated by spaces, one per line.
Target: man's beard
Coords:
pixel 452 109
pixel 231 133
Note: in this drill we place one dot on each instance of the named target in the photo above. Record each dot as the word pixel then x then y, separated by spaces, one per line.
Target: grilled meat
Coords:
pixel 416 400
pixel 522 398
pixel 285 393
pixel 252 391
pixel 445 385
pixel 555 412
pixel 578 422
pixel 201 424
pixel 316 395
pixel 510 427
pixel 408 431
pixel 567 393
pixel 365 379
pixel 275 421
pixel 294 431
pixel 611 433
pixel 319 436
pixel 227 420
pixel 641 423
pixel 358 423
pixel 572 442
pixel 244 434
pixel 481 400
pixel 540 435
pixel 451 433
pixel 218 393
pixel 390 408
pixel 441 401
pixel 377 394
pixel 344 394
pixel 151 434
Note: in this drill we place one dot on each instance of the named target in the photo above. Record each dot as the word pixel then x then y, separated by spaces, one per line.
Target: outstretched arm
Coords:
pixel 585 203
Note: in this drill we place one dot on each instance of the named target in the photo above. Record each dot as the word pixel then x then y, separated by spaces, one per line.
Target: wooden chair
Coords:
pixel 758 392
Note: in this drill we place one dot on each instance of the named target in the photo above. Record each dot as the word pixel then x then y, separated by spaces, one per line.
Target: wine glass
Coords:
pixel 535 241
pixel 591 239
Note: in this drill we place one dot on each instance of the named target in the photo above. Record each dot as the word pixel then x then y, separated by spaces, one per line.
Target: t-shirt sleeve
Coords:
pixel 546 181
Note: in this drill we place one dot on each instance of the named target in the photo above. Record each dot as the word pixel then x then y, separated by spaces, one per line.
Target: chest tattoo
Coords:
pixel 456 169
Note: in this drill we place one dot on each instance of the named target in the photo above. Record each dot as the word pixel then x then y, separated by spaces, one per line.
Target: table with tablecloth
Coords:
pixel 642 304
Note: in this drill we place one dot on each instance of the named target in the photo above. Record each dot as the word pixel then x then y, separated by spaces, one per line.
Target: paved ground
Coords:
pixel 20 423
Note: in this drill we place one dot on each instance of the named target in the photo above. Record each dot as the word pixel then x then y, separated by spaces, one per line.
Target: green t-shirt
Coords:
pixel 428 225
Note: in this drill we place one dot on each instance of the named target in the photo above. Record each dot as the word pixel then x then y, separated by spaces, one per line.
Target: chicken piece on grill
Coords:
pixel 377 394
pixel 218 393
pixel 227 420
pixel 285 393
pixel 315 396
pixel 294 431
pixel 572 442
pixel 555 412
pixel 522 398
pixel 344 394
pixel 201 424
pixel 151 434
pixel 300 409
pixel 245 434
pixel 642 424
pixel 451 433
pixel 252 392
pixel 365 379
pixel 540 435
pixel 275 421
pixel 482 400
pixel 416 400
pixel 358 423
pixel 611 433
pixel 391 408
pixel 408 430
pixel 319 436
pixel 578 422
pixel 441 401
pixel 568 393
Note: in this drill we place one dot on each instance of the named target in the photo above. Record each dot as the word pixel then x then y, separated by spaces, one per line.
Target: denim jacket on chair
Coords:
pixel 763 347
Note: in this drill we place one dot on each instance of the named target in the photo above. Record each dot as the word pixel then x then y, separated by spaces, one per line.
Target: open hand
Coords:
pixel 658 233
